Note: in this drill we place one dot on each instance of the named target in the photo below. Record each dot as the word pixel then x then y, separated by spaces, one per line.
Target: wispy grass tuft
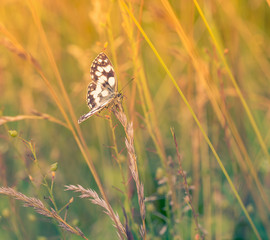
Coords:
pixel 15 47
pixel 201 67
pixel 39 207
pixel 95 199
pixel 129 141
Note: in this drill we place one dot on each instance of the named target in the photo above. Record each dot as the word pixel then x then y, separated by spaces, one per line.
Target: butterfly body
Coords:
pixel 103 89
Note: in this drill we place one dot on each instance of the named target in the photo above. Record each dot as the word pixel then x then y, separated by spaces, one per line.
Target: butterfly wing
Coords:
pixel 93 111
pixel 102 72
pixel 102 90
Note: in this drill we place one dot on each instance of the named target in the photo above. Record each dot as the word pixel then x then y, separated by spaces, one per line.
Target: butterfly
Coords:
pixel 103 88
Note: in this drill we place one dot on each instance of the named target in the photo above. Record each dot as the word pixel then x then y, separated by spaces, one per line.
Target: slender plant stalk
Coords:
pixel 19 50
pixel 127 204
pixel 195 119
pixel 128 127
pixel 240 95
pixel 148 107
pixel 254 45
pixel 233 129
pixel 40 116
pixel 80 141
pixel 94 198
pixel 198 65
pixel 188 196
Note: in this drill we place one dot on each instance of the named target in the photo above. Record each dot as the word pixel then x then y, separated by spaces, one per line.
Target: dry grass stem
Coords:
pixel 188 196
pixel 38 116
pixel 128 127
pixel 175 65
pixel 95 199
pixel 41 209
pixel 10 43
pixel 18 50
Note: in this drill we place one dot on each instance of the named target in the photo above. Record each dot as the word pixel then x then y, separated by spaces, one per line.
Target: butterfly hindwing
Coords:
pixel 92 112
pixel 103 88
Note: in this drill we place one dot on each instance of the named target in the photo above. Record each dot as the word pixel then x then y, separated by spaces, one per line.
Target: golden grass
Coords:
pixel 41 209
pixel 197 66
pixel 211 54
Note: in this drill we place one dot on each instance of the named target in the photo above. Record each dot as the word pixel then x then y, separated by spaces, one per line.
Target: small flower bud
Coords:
pixel 197 237
pixel 13 133
pixel 162 190
pixel 159 173
pixel 75 222
pixel 5 213
pixel 187 200
pixel 189 181
pixel 150 207
pixel 54 167
pixel 31 217
pixel 30 178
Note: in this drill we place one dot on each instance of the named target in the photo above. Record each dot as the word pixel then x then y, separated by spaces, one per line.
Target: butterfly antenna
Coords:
pixel 126 84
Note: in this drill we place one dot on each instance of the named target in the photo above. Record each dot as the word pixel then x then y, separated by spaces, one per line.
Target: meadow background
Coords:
pixel 199 68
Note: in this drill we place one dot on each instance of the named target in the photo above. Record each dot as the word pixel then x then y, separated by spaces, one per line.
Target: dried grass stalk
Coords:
pixel 188 197
pixel 41 209
pixel 10 43
pixel 16 48
pixel 95 199
pixel 128 127
pixel 39 116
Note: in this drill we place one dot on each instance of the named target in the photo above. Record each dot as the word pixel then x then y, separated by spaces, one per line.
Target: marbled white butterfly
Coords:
pixel 103 88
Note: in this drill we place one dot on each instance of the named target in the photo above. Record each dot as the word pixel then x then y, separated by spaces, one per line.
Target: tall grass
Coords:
pixel 200 68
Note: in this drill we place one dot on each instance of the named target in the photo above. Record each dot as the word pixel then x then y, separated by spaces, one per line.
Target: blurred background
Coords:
pixel 217 53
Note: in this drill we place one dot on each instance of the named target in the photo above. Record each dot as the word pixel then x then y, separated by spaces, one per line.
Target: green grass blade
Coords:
pixel 194 117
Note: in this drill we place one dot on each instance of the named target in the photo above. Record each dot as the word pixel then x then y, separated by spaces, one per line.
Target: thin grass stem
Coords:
pixel 195 119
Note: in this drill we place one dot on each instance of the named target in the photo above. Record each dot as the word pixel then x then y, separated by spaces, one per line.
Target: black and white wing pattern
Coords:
pixel 103 88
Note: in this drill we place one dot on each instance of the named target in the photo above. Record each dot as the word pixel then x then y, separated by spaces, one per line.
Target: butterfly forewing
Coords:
pixel 103 88
pixel 102 71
